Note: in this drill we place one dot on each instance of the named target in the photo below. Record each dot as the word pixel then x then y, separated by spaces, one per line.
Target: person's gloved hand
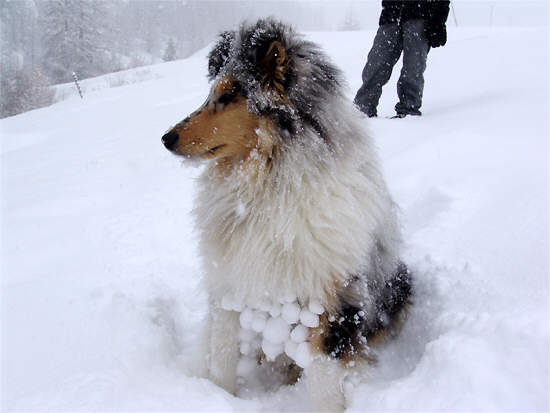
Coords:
pixel 436 34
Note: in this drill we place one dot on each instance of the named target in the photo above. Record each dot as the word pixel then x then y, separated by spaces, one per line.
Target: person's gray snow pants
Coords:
pixel 390 40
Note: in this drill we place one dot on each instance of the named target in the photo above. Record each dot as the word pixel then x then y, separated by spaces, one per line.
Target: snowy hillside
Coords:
pixel 100 296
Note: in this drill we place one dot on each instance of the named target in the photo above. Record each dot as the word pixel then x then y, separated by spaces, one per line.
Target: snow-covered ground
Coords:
pixel 100 296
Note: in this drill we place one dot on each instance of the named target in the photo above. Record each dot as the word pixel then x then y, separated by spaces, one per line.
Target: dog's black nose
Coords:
pixel 170 139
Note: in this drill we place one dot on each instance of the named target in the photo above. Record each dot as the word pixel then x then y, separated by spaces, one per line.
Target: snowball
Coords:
pixel 302 356
pixel 245 348
pixel 275 310
pixel 255 344
pixel 276 330
pixel 271 350
pixel 246 335
pixel 274 323
pixel 290 349
pixel 238 305
pixel 246 318
pixel 264 305
pixel 291 312
pixel 308 318
pixel 299 334
pixel 258 321
pixel 315 307
pixel 245 366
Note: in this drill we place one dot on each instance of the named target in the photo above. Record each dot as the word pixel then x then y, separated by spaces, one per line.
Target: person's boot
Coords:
pixel 401 115
pixel 369 111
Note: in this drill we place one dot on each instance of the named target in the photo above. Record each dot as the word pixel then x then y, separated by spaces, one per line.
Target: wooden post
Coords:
pixel 77 85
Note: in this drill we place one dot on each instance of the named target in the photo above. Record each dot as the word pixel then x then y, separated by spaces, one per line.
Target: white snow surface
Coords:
pixel 100 291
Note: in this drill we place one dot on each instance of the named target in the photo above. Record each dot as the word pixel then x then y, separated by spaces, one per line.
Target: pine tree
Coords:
pixel 24 91
pixel 170 52
pixel 23 86
pixel 18 27
pixel 73 38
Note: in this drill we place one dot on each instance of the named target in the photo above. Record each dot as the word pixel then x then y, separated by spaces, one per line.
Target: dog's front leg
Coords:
pixel 325 384
pixel 224 349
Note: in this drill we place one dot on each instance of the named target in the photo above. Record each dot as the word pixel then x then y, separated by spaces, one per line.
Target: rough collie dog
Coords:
pixel 298 232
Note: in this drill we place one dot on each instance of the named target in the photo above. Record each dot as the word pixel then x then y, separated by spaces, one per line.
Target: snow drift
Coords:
pixel 100 290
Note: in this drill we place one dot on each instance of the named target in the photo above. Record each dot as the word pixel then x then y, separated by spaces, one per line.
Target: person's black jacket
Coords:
pixel 435 13
pixel 397 11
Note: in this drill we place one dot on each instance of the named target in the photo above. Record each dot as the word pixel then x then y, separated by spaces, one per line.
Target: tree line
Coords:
pixel 44 41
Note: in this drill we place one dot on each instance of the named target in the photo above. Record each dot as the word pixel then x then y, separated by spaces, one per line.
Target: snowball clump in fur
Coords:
pixel 275 327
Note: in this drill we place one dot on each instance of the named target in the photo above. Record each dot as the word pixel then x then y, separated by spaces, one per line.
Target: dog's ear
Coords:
pixel 269 60
pixel 217 58
pixel 274 65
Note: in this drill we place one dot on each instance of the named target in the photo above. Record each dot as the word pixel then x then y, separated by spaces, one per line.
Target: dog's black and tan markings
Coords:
pixel 350 330
pixel 287 146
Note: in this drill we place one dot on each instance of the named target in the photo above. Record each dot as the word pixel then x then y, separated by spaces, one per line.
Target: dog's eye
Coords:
pixel 226 98
pixel 230 95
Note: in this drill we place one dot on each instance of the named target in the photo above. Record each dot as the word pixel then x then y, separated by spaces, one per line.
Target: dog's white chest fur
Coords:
pixel 301 229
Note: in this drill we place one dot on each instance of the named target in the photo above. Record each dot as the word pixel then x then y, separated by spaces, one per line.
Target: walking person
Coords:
pixel 411 27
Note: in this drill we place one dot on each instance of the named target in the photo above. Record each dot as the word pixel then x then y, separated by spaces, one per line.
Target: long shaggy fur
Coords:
pixel 321 222
pixel 311 216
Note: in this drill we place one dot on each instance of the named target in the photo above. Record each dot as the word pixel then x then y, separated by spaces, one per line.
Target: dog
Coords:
pixel 291 203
